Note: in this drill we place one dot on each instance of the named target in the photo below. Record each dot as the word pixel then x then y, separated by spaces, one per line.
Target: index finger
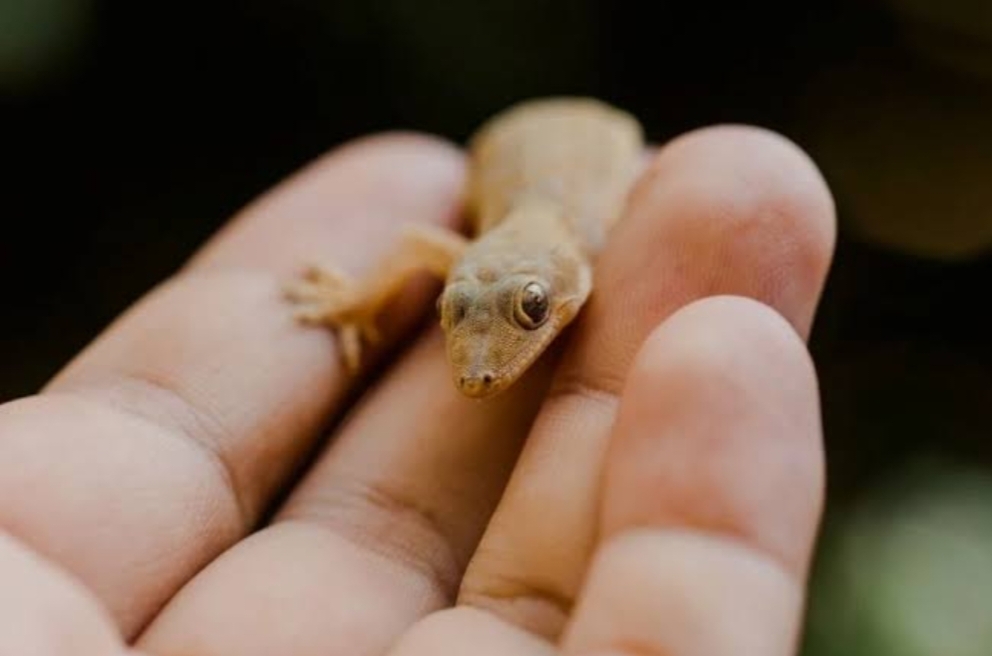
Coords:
pixel 165 440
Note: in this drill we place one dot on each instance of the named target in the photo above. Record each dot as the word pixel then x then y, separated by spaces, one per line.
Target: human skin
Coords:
pixel 652 487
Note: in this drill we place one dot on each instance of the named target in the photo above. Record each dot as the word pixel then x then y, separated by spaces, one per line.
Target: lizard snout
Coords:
pixel 476 384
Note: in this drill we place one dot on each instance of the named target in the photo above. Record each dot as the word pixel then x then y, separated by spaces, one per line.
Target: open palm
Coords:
pixel 653 487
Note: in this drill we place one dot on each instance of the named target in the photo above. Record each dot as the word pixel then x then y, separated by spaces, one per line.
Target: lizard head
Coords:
pixel 496 324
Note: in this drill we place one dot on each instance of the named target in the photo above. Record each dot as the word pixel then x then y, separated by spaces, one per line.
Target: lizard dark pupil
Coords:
pixel 534 305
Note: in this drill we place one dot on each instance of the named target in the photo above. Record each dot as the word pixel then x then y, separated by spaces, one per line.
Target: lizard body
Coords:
pixel 547 179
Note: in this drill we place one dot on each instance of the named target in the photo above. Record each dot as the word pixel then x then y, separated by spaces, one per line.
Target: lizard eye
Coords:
pixel 532 306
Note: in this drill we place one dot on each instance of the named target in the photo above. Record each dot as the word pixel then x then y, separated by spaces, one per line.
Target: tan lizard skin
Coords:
pixel 547 179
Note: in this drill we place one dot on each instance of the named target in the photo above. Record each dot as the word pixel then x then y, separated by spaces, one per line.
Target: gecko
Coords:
pixel 547 179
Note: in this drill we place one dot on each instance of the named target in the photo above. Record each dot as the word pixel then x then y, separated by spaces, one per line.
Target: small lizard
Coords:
pixel 547 179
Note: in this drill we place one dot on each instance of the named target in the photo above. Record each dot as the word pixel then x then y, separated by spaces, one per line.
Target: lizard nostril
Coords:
pixel 476 385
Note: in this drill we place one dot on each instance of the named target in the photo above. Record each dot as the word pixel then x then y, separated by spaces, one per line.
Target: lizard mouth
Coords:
pixel 482 383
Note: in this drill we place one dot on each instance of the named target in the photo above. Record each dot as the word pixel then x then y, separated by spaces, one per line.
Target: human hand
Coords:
pixel 159 492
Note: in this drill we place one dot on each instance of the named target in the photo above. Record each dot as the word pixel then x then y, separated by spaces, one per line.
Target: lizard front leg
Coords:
pixel 330 298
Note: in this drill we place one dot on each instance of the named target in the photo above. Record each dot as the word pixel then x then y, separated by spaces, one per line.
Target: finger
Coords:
pixel 43 612
pixel 164 441
pixel 727 210
pixel 378 533
pixel 712 492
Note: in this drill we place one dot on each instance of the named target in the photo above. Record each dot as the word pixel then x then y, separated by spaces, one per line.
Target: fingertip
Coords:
pixel 719 429
pixel 722 338
pixel 782 177
pixel 403 154
pixel 744 210
pixel 322 212
pixel 404 159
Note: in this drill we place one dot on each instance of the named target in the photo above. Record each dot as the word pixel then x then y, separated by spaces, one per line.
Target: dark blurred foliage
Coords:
pixel 133 129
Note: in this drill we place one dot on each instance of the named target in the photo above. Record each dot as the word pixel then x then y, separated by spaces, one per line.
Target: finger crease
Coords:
pixel 574 385
pixel 518 601
pixel 135 393
pixel 384 522
pixel 632 648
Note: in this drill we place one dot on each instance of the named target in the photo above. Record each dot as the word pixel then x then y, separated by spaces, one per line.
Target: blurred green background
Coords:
pixel 133 129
